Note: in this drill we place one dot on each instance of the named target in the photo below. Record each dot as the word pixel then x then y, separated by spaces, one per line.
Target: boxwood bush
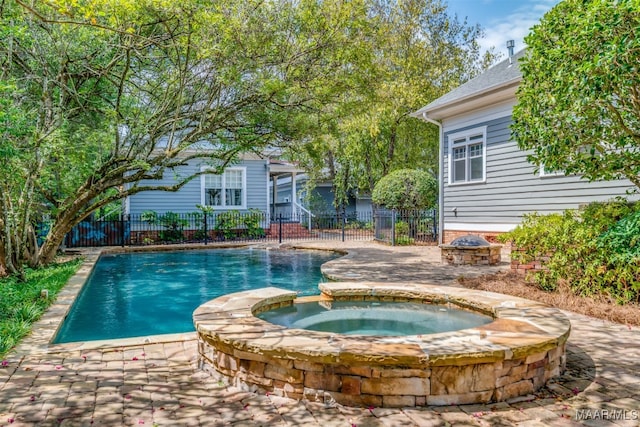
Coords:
pixel 406 189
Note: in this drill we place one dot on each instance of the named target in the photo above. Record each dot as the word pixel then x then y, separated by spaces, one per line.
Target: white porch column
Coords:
pixel 294 192
pixel 275 196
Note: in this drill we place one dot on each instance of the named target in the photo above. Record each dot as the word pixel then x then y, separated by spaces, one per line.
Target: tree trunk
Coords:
pixel 54 239
pixel 390 150
pixel 3 264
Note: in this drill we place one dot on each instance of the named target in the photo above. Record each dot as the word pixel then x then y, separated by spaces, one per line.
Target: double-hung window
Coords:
pixel 467 156
pixel 225 190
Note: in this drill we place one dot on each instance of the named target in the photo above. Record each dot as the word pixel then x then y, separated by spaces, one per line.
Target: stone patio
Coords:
pixel 156 381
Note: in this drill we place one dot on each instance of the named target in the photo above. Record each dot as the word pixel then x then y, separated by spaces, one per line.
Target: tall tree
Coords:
pixel 115 93
pixel 409 53
pixel 579 101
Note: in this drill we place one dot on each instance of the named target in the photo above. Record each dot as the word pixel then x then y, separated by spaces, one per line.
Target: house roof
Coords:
pixel 505 75
pixel 278 167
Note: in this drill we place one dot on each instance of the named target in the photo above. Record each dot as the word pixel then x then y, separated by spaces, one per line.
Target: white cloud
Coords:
pixel 514 26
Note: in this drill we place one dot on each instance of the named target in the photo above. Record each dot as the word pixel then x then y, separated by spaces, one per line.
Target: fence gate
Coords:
pixel 406 227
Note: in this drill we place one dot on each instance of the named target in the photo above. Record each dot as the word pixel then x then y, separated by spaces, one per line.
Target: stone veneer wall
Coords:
pixel 387 387
pixel 468 255
pixel 529 267
pixel 374 385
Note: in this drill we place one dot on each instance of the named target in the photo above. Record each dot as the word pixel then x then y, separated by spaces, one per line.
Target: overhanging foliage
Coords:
pixel 579 102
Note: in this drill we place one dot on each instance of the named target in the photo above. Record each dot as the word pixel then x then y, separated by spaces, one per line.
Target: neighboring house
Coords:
pixel 284 197
pixel 358 206
pixel 486 182
pixel 321 200
pixel 242 186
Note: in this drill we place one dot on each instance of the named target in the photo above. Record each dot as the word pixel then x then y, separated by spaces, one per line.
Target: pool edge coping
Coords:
pixel 230 321
pixel 43 331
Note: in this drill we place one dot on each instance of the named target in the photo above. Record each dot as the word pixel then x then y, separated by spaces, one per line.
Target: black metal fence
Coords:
pixel 406 227
pixel 393 227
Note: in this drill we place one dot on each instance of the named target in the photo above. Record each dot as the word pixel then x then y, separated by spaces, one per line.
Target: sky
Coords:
pixel 502 20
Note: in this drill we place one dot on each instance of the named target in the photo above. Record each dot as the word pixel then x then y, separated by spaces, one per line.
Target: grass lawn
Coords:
pixel 21 303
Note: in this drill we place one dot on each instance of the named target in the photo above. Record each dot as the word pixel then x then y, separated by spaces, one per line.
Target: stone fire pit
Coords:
pixel 470 250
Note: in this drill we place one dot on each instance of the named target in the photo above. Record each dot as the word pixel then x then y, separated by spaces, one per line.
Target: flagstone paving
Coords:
pixel 159 384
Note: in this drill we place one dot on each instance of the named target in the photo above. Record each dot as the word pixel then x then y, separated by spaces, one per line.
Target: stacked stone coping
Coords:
pixel 513 355
pixel 471 255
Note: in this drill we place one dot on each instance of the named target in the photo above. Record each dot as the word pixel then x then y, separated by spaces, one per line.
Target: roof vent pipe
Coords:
pixel 510 46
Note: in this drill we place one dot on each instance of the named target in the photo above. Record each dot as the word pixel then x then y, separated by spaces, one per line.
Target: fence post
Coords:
pixel 393 227
pixel 344 222
pixel 280 228
pixel 206 232
pixel 434 214
pixel 122 230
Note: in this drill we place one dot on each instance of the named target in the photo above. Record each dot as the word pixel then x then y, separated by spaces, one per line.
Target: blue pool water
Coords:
pixel 139 294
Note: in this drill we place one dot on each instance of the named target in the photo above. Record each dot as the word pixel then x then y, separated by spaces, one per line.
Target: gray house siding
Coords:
pixel 186 199
pixel 512 188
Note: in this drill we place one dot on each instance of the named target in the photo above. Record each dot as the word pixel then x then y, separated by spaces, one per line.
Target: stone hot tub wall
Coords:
pixel 514 355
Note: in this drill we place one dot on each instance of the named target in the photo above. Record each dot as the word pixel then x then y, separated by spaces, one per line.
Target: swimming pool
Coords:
pixel 151 293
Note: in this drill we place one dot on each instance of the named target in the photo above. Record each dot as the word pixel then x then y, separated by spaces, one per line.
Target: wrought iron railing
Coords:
pixel 393 227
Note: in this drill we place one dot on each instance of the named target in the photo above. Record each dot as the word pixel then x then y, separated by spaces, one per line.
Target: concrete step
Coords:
pixel 289 230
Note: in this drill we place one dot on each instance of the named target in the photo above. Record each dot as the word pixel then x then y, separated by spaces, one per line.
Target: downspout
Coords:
pixel 440 177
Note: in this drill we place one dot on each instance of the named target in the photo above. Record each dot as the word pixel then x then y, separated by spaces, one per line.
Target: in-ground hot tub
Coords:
pixel 514 354
pixel 374 317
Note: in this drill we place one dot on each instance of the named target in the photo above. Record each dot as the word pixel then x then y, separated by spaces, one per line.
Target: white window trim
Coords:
pixel 244 188
pixel 465 134
pixel 542 173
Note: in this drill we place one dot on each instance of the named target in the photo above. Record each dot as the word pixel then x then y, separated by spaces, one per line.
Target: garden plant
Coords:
pixel 595 251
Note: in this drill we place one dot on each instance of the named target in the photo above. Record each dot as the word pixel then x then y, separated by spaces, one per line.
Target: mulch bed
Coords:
pixel 598 306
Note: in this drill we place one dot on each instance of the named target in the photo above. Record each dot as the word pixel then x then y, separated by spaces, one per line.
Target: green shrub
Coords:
pixel 595 250
pixel 252 222
pixel 406 189
pixel 228 223
pixel 402 229
pixel 402 234
pixel 404 240
pixel 622 240
pixel 204 213
pixel 356 224
pixel 233 224
pixel 149 216
pixel 172 223
pixel 197 220
pixel 621 268
pixel 173 227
